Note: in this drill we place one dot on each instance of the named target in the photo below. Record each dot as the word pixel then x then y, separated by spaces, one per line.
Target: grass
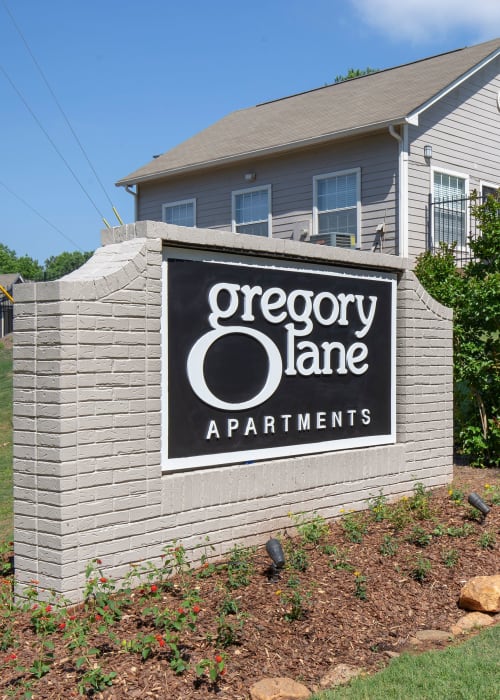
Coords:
pixel 462 672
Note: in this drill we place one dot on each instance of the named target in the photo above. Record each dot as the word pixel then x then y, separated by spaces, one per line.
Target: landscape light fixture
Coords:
pixel 275 551
pixel 250 177
pixel 427 152
pixel 477 502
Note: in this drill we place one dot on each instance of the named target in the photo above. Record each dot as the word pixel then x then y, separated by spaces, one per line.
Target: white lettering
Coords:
pixel 212 431
pixel 250 427
pixel 365 320
pixel 365 416
pixel 321 420
pixel 304 421
pixel 269 424
pixel 232 425
pixel 196 361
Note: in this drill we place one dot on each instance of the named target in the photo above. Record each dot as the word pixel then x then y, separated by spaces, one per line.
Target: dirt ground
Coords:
pixel 357 602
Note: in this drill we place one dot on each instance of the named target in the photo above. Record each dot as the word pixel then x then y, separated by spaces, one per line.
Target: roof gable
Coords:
pixel 373 101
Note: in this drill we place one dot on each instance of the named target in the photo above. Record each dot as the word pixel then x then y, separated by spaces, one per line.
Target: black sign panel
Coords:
pixel 267 360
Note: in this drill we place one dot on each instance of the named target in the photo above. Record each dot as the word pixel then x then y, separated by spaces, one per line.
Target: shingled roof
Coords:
pixel 392 96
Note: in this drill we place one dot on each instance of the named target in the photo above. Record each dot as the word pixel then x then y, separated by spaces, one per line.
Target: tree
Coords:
pixel 29 268
pixel 59 265
pixel 474 295
pixel 355 73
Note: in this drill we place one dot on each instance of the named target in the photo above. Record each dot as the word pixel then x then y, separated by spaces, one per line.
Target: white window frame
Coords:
pixel 490 185
pixel 247 190
pixel 316 211
pixel 465 178
pixel 180 202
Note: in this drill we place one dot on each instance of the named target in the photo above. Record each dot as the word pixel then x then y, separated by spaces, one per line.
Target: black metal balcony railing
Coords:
pixel 451 222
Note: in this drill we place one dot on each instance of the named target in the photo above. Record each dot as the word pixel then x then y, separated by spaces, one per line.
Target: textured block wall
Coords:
pixel 87 416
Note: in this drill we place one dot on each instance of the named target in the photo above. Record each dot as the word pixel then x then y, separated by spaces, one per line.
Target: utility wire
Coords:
pixel 26 204
pixel 54 97
pixel 21 97
pixel 65 117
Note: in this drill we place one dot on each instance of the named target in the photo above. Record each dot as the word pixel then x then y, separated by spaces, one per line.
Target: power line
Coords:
pixel 50 140
pixel 66 119
pixel 49 88
pixel 26 204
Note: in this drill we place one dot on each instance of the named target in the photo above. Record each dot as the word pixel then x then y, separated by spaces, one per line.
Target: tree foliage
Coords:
pixel 31 270
pixel 355 73
pixel 474 295
pixel 59 265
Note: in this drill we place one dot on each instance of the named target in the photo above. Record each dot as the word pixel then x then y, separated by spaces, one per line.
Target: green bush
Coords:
pixel 474 295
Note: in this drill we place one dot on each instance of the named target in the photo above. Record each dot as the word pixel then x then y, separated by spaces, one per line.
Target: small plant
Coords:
pixel 456 495
pixel 487 540
pixel 450 558
pixel 240 567
pixel 474 514
pixel 229 630
pixel 419 537
pixel 354 527
pixel 399 516
pixel 360 585
pixel 296 557
pixel 214 668
pixel 492 494
pixel 421 569
pixel 312 528
pixel 389 546
pixel 294 600
pixel 460 530
pixel 339 558
pixel 377 505
pixel 420 502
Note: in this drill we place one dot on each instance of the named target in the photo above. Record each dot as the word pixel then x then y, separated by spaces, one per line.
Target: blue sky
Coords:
pixel 137 78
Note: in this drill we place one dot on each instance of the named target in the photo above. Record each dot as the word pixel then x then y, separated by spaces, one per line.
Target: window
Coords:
pixel 181 213
pixel 488 189
pixel 337 209
pixel 252 211
pixel 449 209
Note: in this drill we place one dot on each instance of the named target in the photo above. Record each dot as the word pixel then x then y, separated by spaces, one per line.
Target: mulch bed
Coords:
pixel 337 627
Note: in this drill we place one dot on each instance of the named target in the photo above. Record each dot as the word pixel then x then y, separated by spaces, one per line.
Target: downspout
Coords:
pixel 134 193
pixel 402 188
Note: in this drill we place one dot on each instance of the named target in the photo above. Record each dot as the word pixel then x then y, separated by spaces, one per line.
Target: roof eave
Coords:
pixel 413 117
pixel 281 148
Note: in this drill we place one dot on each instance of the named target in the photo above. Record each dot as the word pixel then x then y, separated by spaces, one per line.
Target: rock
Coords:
pixel 414 641
pixel 481 593
pixel 339 674
pixel 279 689
pixel 470 621
pixel 432 636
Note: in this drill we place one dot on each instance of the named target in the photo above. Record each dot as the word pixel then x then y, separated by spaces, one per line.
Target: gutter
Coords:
pixel 402 188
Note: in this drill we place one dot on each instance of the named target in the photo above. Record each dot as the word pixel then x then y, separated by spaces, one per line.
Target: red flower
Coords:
pixel 196 609
pixel 103 579
pixel 98 561
pixel 181 611
pixel 48 608
pixel 62 625
pixel 98 617
pixel 223 672
pixel 12 657
pixel 72 617
pixel 219 659
pixel 154 588
pixel 160 640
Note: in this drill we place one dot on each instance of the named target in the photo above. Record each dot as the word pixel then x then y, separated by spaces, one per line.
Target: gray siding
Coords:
pixel 291 178
pixel 464 131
